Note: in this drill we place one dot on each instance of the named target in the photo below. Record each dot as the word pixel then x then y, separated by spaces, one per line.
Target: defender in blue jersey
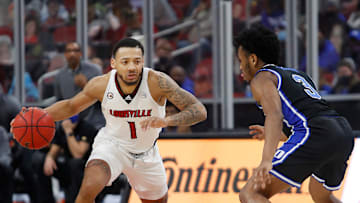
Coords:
pixel 320 141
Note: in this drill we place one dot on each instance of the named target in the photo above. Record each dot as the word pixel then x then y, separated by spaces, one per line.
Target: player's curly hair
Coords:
pixel 127 42
pixel 260 41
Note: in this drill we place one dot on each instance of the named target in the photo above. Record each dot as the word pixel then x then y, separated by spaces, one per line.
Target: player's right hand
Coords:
pixel 262 176
pixel 49 166
pixel 257 132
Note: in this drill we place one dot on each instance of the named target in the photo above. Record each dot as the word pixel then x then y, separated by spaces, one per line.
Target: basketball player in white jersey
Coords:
pixel 133 103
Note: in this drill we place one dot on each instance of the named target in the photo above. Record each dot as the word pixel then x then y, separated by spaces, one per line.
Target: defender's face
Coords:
pixel 128 63
pixel 245 67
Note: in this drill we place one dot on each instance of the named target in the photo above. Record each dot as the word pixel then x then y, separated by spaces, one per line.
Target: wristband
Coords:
pixel 69 134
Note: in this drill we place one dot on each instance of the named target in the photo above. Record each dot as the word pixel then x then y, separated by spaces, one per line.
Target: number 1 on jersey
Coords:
pixel 132 130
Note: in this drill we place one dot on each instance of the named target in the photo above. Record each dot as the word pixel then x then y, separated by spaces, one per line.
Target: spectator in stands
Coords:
pixel 328 56
pixel 203 79
pixel 6 172
pixel 133 25
pixel 354 19
pixel 56 62
pixel 36 42
pixel 6 56
pixel 202 13
pixel 53 15
pixel 273 16
pixel 178 73
pixel 164 14
pixel 20 157
pixel 10 107
pixel 65 159
pixel 353 48
pixel 347 79
pixel 163 49
pixel 7 20
pixel 171 109
pixel 97 26
pixel 73 77
pixel 348 7
pixel 32 29
pixel 6 62
pixel 238 15
pixel 198 33
pixel 6 59
pixel 99 62
pixel 31 91
pixel 116 20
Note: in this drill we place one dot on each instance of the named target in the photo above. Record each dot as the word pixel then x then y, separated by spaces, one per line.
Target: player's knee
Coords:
pixel 84 197
pixel 318 196
pixel 88 192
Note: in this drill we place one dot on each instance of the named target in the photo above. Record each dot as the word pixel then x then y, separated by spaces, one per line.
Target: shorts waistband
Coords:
pixel 141 154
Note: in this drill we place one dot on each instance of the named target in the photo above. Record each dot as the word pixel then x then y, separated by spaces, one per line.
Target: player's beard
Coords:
pixel 131 83
pixel 246 72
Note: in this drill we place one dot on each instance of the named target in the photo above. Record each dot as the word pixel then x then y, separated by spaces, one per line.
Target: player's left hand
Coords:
pixel 153 122
pixel 262 175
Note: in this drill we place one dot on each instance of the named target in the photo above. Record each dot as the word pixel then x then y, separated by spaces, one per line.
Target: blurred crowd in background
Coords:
pixel 50 24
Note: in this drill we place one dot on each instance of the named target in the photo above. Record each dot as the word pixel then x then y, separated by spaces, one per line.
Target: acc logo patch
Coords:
pixel 110 95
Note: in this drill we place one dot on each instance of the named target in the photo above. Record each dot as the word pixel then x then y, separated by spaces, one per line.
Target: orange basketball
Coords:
pixel 33 128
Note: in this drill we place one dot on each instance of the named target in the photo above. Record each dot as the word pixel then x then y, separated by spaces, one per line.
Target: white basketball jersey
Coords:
pixel 123 118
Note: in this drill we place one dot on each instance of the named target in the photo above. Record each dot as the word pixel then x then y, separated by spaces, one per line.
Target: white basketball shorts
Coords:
pixel 145 172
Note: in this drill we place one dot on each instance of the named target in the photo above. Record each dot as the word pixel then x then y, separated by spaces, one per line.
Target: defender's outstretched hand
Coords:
pixel 257 132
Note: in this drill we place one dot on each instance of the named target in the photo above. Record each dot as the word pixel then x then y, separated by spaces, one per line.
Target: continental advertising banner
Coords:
pixel 214 171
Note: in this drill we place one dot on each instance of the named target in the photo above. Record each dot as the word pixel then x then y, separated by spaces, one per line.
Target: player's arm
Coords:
pixel 191 109
pixel 92 92
pixel 258 132
pixel 264 90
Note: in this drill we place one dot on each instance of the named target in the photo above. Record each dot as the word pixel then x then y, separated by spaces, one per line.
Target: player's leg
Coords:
pixel 319 194
pixel 147 177
pixel 97 174
pixel 249 194
pixel 329 176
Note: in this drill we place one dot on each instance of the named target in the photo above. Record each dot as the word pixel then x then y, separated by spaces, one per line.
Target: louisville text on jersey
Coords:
pixel 131 113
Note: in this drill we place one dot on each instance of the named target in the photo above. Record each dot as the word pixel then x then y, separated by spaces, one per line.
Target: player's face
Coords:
pixel 128 63
pixel 245 67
